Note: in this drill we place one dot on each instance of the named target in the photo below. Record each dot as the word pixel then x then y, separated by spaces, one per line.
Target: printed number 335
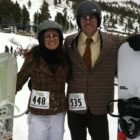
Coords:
pixel 75 102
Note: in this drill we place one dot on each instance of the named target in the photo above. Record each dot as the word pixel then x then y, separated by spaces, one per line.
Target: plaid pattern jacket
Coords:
pixel 98 84
pixel 44 80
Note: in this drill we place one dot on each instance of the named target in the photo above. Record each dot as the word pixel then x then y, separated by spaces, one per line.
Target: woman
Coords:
pixel 48 68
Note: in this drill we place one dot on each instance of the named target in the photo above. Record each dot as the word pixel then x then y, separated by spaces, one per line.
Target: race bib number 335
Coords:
pixel 40 99
pixel 77 101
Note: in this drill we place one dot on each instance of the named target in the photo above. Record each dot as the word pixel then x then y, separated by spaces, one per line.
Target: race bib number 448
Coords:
pixel 77 101
pixel 40 99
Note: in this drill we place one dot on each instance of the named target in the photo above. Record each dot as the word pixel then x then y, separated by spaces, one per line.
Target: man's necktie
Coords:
pixel 87 54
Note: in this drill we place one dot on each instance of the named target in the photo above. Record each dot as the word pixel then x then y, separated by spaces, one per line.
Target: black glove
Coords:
pixel 126 107
pixel 129 107
pixel 134 42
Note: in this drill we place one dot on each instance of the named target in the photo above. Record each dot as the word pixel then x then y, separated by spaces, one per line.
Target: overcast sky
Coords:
pixel 137 1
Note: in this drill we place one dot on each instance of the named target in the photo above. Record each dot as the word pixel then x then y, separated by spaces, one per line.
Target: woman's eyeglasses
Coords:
pixel 49 36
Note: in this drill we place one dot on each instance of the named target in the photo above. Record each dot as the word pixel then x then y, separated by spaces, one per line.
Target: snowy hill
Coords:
pixel 108 26
pixel 11 39
pixel 16 41
pixel 36 4
pixel 136 1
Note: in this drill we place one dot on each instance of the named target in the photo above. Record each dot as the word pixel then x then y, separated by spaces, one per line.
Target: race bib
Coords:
pixel 40 99
pixel 77 101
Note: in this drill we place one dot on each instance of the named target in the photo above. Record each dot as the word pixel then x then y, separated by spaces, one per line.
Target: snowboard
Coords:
pixel 129 87
pixel 8 78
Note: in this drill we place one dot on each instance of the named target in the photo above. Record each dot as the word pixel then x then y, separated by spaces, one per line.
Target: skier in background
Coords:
pixel 6 48
pixel 11 50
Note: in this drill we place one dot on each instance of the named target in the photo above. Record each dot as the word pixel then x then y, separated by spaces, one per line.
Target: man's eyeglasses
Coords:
pixel 91 18
pixel 49 36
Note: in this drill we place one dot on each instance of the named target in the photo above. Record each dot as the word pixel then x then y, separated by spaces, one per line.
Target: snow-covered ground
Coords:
pixel 21 99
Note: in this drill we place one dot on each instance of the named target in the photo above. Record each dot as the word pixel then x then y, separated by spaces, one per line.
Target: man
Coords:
pixel 93 65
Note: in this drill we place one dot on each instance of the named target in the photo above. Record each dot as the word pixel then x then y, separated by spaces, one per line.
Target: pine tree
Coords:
pixel 59 18
pixel 59 1
pixel 130 24
pixel 136 29
pixel 25 18
pixel 67 2
pixel 36 21
pixel 44 15
pixel 121 20
pixel 55 2
pixel 17 13
pixel 6 16
pixel 29 4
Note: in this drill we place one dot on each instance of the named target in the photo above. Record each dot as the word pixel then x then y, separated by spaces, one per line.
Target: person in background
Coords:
pixel 11 50
pixel 48 68
pixel 6 49
pixel 93 58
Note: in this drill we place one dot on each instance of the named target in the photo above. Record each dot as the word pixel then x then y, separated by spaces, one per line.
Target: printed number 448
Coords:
pixel 39 100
